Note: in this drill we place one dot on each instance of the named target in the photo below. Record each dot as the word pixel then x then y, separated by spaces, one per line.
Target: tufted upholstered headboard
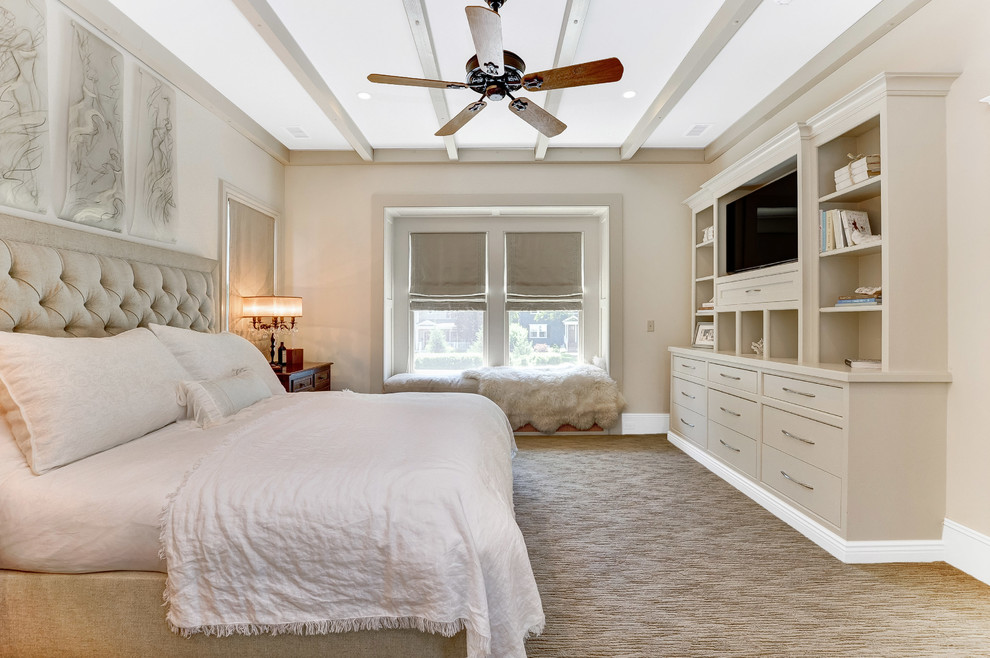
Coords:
pixel 57 281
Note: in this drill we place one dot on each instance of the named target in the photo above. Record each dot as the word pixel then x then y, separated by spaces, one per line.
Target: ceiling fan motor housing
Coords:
pixel 496 87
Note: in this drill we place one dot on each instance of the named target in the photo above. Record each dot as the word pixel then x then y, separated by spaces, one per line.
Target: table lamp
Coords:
pixel 283 312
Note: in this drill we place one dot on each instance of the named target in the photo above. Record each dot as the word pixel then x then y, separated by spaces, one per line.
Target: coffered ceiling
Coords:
pixel 292 74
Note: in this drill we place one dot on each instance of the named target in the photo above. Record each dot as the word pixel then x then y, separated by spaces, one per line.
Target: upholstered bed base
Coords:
pixel 120 613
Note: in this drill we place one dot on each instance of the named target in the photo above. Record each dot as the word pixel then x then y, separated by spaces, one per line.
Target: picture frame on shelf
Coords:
pixel 704 334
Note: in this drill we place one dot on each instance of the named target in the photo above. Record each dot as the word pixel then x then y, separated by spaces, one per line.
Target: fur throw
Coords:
pixel 579 395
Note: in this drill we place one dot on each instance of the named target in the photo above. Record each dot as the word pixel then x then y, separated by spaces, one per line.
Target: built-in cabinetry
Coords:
pixel 852 455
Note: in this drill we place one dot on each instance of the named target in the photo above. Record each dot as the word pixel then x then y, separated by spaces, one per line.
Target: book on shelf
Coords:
pixel 859 301
pixel 873 364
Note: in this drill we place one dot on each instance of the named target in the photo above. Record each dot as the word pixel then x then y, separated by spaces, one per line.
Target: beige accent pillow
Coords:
pixel 209 402
pixel 69 398
pixel 216 356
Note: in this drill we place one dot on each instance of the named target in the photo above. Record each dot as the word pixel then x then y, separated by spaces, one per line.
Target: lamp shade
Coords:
pixel 272 306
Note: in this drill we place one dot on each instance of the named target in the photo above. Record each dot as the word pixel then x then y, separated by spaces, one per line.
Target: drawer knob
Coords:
pixel 687 396
pixel 722 374
pixel 687 423
pixel 798 482
pixel 798 438
pixel 728 446
pixel 684 365
pixel 731 413
pixel 791 390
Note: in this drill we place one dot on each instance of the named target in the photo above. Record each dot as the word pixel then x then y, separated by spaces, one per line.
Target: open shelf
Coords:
pixel 851 308
pixel 858 192
pixel 856 250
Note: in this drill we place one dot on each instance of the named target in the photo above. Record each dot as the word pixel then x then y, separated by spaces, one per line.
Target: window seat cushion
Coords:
pixel 415 382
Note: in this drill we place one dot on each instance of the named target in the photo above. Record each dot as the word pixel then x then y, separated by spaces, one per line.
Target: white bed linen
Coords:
pixel 101 513
pixel 346 512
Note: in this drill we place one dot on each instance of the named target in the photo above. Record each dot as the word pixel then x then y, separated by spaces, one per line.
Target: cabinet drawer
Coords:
pixel 304 383
pixel 691 395
pixel 822 397
pixel 689 424
pixel 810 487
pixel 322 380
pixel 810 441
pixel 758 290
pixel 686 366
pixel 735 413
pixel 745 380
pixel 733 448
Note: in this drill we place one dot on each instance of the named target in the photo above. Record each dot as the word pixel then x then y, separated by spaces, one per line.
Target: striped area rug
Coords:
pixel 640 551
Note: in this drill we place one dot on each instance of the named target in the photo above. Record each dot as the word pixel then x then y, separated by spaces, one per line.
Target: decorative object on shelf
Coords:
pixel 860 168
pixel 863 296
pixel 704 335
pixel 866 364
pixel 708 234
pixel 283 312
pixel 758 347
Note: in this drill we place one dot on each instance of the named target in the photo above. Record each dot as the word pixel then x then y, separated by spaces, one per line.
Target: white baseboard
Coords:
pixel 967 550
pixel 860 552
pixel 645 423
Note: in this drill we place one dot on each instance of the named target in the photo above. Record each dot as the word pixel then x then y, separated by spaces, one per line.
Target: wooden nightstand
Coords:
pixel 305 377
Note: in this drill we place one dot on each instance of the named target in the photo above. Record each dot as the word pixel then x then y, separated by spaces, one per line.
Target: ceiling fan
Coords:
pixel 495 74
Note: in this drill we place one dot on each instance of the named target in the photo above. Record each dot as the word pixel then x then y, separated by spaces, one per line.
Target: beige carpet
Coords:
pixel 640 551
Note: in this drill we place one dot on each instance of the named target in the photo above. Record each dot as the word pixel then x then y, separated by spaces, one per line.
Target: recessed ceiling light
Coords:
pixel 629 94
pixel 783 2
pixel 297 132
pixel 363 95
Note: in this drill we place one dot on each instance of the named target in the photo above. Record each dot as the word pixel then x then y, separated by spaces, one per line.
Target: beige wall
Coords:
pixel 207 149
pixel 944 36
pixel 330 221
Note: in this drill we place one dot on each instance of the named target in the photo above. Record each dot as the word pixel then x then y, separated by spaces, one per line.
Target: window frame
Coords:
pixel 400 338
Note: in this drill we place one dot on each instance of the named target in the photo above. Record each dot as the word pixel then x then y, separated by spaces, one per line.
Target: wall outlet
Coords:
pixel 650 326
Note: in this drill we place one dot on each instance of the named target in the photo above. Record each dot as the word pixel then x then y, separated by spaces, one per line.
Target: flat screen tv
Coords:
pixel 761 228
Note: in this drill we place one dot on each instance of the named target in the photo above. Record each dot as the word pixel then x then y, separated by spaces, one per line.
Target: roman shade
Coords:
pixel 543 271
pixel 447 271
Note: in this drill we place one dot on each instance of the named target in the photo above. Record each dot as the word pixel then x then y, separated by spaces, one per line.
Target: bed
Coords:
pixel 303 524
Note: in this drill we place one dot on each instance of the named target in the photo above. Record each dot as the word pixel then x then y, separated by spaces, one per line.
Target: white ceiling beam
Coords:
pixel 727 21
pixel 111 21
pixel 570 34
pixel 422 35
pixel 267 23
pixel 877 22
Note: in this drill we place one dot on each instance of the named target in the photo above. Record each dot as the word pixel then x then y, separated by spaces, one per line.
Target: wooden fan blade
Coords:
pixel 465 115
pixel 414 82
pixel 486 31
pixel 537 117
pixel 589 73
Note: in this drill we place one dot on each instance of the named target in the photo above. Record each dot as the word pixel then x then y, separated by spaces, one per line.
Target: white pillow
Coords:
pixel 68 398
pixel 215 356
pixel 209 402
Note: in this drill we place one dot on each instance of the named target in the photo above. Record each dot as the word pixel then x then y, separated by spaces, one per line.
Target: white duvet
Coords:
pixel 343 512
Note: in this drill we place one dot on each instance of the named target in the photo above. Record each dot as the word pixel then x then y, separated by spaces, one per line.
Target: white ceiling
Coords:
pixel 300 64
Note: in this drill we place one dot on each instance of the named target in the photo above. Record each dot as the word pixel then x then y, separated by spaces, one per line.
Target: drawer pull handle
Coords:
pixel 798 482
pixel 792 436
pixel 791 390
pixel 687 396
pixel 728 446
pixel 731 413
pixel 684 365
pixel 754 290
pixel 687 423
pixel 722 374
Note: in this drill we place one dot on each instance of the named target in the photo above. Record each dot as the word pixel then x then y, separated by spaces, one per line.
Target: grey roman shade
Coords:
pixel 447 271
pixel 543 271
